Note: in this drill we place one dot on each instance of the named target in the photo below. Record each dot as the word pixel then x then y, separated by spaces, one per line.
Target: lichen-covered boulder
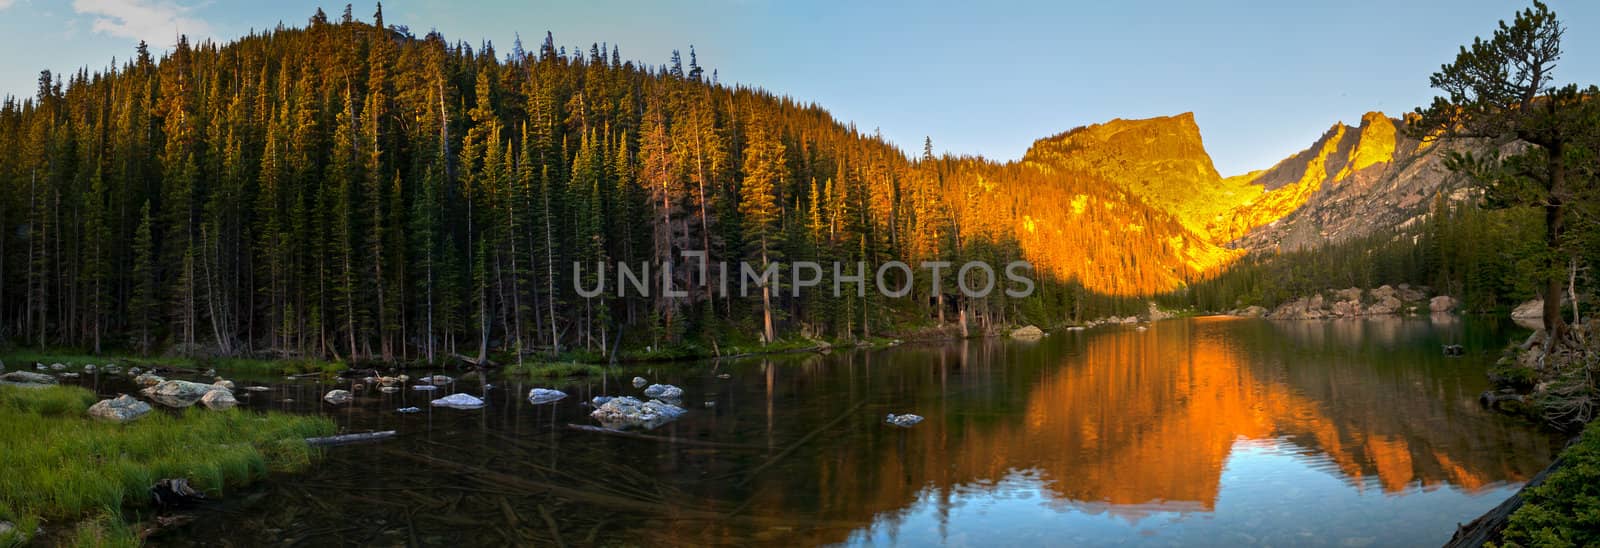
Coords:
pixel 122 408
pixel 1027 332
pixel 539 396
pixel 218 400
pixel 338 397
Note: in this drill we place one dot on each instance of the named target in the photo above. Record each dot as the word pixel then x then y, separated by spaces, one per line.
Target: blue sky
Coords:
pixel 1264 78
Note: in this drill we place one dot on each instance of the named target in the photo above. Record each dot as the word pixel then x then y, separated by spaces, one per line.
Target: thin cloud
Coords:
pixel 158 22
pixel 4 4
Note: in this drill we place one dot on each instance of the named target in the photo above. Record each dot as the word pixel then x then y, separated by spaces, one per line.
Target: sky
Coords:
pixel 1264 78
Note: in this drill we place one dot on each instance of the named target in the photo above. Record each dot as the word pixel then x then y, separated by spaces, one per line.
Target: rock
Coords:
pixel 1027 332
pixel 904 421
pixel 1349 294
pixel 408 410
pixel 440 380
pixel 69 375
pixel 223 383
pixel 27 377
pixel 629 412
pixel 1300 309
pixel 1410 294
pixel 639 382
pixel 388 381
pixel 1155 313
pixel 174 492
pixel 664 391
pixel 88 368
pixel 427 387
pixel 148 379
pixel 122 408
pixel 58 367
pixel 388 389
pixel 219 400
pixel 257 388
pixel 724 376
pixel 1383 291
pixel 539 396
pixel 1387 304
pixel 1454 350
pixel 338 397
pixel 135 370
pixel 1346 309
pixel 1442 303
pixel 179 393
pixel 459 401
pixel 1531 310
pixel 600 400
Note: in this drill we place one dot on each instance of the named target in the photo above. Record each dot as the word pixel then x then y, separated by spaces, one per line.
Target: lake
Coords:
pixel 1204 431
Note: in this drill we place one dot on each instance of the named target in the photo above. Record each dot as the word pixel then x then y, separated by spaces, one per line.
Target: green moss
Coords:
pixel 1565 510
pixel 60 466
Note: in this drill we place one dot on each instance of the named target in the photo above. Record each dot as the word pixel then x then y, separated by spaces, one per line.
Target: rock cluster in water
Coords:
pixel 628 412
pixel 172 393
pixel 1355 302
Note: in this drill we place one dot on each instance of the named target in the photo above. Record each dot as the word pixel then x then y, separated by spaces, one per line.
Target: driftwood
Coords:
pixel 347 439
pixel 662 439
pixel 1488 526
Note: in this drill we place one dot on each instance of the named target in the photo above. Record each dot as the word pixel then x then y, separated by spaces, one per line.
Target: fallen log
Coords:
pixel 347 439
pixel 1487 527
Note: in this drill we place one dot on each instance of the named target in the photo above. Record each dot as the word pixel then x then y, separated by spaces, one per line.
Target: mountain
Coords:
pixel 1351 182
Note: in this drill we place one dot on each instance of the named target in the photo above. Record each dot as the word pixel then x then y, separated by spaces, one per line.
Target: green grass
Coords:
pixel 24 360
pixel 1565 510
pixel 59 467
pixel 554 370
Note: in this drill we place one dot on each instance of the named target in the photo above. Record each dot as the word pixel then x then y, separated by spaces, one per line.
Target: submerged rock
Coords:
pixel 427 387
pixel 544 395
pixel 257 388
pixel 459 401
pixel 388 389
pixel 219 400
pixel 664 391
pixel 904 421
pixel 27 377
pixel 409 410
pixel 179 393
pixel 440 380
pixel 338 397
pixel 122 408
pixel 626 412
pixel 639 382
pixel 1027 332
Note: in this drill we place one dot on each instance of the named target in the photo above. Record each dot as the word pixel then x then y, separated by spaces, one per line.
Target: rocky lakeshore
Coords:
pixel 1355 302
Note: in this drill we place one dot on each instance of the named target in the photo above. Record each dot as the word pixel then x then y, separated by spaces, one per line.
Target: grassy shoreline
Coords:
pixel 72 475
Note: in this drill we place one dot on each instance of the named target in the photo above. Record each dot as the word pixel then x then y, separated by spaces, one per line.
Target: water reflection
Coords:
pixel 1203 431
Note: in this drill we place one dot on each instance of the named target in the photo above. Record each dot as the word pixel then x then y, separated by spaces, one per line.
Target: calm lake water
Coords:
pixel 1207 431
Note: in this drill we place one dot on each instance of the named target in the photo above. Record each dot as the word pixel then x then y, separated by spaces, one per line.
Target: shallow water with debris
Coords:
pixel 1205 431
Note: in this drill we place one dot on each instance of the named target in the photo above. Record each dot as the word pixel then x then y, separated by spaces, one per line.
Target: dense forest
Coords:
pixel 348 190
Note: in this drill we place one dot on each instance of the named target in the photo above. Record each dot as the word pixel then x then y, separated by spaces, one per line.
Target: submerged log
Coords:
pixel 347 439
pixel 662 439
